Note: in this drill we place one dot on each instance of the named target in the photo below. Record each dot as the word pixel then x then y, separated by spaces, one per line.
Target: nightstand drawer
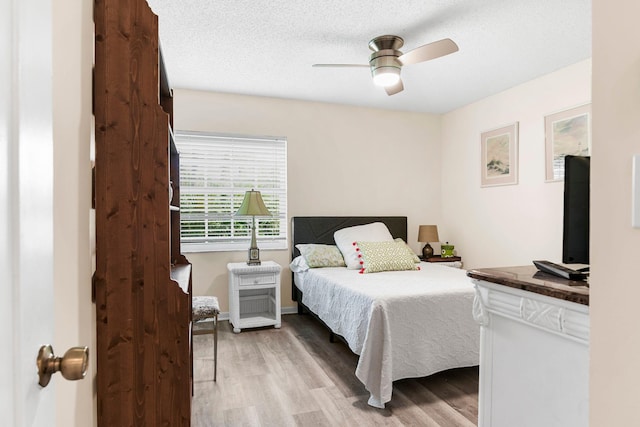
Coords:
pixel 256 279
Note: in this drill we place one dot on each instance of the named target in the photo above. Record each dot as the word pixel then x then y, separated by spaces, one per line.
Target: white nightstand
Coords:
pixel 254 295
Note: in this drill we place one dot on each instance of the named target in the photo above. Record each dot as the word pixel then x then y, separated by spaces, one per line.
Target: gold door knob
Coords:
pixel 73 365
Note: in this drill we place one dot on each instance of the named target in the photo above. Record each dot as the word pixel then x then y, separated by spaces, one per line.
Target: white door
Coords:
pixel 26 210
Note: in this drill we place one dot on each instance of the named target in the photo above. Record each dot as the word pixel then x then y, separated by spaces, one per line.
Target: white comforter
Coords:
pixel 403 324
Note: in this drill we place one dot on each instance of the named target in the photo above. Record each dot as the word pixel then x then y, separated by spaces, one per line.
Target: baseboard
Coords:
pixel 289 310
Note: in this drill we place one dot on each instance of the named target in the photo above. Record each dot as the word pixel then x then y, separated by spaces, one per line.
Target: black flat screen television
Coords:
pixel 575 239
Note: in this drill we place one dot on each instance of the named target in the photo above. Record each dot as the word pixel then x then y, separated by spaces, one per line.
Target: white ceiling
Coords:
pixel 266 48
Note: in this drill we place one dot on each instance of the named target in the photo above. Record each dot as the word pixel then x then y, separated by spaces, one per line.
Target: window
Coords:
pixel 215 172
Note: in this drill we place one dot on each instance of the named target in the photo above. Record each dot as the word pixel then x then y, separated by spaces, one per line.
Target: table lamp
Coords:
pixel 426 234
pixel 253 206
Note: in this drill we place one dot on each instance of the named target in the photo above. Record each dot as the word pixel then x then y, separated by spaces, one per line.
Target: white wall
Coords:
pixel 615 245
pixel 514 224
pixel 72 133
pixel 341 161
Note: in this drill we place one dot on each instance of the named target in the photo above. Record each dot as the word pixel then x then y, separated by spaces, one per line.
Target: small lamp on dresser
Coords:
pixel 253 206
pixel 426 234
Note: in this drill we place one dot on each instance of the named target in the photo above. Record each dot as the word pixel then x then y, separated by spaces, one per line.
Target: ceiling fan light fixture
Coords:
pixel 386 76
pixel 386 61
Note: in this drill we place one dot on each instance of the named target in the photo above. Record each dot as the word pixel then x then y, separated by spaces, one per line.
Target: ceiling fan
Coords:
pixel 386 60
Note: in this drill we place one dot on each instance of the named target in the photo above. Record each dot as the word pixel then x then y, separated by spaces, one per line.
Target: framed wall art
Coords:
pixel 499 156
pixel 567 132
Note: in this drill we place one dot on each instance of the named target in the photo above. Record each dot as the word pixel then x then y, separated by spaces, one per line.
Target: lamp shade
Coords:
pixel 428 233
pixel 252 205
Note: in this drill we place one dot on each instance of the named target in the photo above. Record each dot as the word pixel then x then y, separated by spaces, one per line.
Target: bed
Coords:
pixel 402 324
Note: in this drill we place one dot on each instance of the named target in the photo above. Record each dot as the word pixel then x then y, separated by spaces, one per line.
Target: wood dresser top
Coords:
pixel 528 278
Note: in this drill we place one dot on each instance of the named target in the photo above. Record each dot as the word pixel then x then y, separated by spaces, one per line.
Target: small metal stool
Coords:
pixel 207 308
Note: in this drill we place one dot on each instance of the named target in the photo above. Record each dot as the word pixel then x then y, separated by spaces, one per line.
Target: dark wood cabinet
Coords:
pixel 142 280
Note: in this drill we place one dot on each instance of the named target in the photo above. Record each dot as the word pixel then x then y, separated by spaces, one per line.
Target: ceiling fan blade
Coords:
pixel 340 65
pixel 429 51
pixel 392 90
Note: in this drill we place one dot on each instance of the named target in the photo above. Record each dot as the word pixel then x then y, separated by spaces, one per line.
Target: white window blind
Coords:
pixel 215 172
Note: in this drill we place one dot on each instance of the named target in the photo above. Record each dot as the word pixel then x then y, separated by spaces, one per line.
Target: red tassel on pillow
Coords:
pixel 418 267
pixel 361 271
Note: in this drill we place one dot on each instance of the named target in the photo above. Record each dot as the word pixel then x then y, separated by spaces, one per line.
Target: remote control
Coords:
pixel 560 270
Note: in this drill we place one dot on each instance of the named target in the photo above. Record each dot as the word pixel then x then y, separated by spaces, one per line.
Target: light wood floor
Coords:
pixel 294 376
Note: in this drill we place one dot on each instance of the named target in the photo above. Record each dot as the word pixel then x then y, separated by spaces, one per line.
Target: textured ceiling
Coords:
pixel 266 48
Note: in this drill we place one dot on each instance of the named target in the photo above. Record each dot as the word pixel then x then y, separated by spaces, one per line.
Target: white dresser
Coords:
pixel 534 349
pixel 254 295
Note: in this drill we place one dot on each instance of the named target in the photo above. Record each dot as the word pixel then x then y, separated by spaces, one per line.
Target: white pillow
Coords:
pixel 346 239
pixel 299 265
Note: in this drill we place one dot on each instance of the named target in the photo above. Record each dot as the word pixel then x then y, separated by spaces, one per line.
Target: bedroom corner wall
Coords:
pixel 615 245
pixel 342 160
pixel 513 224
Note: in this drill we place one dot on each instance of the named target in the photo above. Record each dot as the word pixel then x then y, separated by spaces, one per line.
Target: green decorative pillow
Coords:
pixel 321 255
pixel 385 256
pixel 411 253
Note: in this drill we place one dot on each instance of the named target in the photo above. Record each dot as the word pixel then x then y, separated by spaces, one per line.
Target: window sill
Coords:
pixel 231 247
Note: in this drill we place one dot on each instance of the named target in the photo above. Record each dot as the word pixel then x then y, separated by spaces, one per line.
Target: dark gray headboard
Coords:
pixel 320 229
